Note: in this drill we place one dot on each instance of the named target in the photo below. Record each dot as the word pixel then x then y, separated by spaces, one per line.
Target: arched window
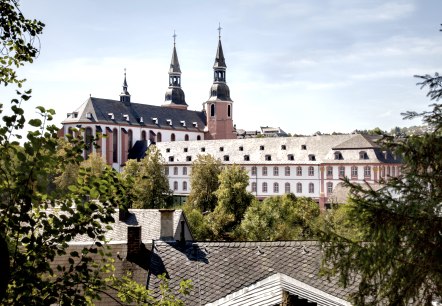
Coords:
pixel 275 188
pixel 175 170
pixel 338 155
pixel 264 187
pixel 287 171
pixel 253 170
pixel 264 171
pixel 184 186
pixel 151 136
pixel 229 110
pixel 298 171
pixel 115 145
pixel 172 137
pixel 212 110
pixel 311 188
pixel 299 188
pixel 363 155
pixel 287 188
pixel 184 170
pixel 88 142
pixel 130 139
pixel 275 171
pixel 311 171
pixel 186 137
pixel 159 137
pixel 175 185
pixel 198 137
pixel 143 136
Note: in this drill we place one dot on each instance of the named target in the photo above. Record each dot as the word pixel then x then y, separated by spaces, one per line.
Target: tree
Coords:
pixel 147 181
pixel 400 259
pixel 204 182
pixel 283 217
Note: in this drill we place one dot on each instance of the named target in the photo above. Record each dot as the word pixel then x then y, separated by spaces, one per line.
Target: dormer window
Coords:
pixel 261 148
pixel 246 158
pixel 311 157
pixel 268 157
pixel 111 116
pixel 195 124
pixel 338 156
pixel 126 117
pixel 89 115
pixel 283 147
pixel 303 147
pixel 226 157
pixel 183 123
pixel 140 120
pixel 75 115
pixel 171 158
pixel 155 120
pixel 169 121
pixel 189 158
pixel 290 157
pixel 363 155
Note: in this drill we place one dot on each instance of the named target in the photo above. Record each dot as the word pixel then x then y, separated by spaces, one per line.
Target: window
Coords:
pixel 175 170
pixel 159 137
pixel 226 157
pixel 303 147
pixel 166 170
pixel 167 150
pixel 203 149
pixel 264 187
pixel 311 171
pixel 275 188
pixel 261 148
pixel 186 137
pixel 253 170
pixel 382 171
pixel 143 136
pixel 275 171
pixel 311 157
pixel 130 139
pixel 329 171
pixel 221 149
pixel 283 147
pixel 212 110
pixel 241 148
pixel 184 170
pixel 268 157
pixel 287 171
pixel 151 136
pixel 388 170
pixel 171 158
pixel 185 149
pixel 290 157
pixel 341 171
pixel 175 185
pixel 188 158
pixel 264 171
pixel 298 171
pixel 198 137
pixel 354 171
pixel 184 186
pixel 88 139
pixel 229 110
pixel 338 155
pixel 254 187
pixel 363 155
pixel 393 171
pixel 299 188
pixel 287 188
pixel 246 157
pixel 115 146
pixel 329 187
pixel 367 171
pixel 172 137
pixel 311 188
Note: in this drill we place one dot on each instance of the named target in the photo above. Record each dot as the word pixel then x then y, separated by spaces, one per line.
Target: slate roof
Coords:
pixel 130 114
pixel 218 269
pixel 148 219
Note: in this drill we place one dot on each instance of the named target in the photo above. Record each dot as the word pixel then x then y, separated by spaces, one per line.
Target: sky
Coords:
pixel 301 65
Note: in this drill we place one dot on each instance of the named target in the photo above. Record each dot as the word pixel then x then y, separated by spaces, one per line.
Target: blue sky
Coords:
pixel 304 66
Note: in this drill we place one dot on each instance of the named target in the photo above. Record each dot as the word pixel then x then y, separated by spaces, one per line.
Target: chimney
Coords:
pixel 182 234
pixel 133 241
pixel 166 231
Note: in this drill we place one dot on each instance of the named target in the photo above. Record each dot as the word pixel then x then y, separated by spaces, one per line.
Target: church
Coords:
pixel 130 127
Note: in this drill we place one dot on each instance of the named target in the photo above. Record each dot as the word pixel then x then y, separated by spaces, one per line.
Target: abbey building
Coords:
pixel 130 127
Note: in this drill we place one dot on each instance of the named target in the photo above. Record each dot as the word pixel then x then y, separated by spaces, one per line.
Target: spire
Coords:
pixel 220 61
pixel 125 95
pixel 175 95
pixel 219 90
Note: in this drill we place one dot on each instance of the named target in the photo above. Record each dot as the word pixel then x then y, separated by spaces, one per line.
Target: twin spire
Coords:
pixel 175 96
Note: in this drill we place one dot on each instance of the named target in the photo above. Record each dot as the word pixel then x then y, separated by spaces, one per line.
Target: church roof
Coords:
pixel 106 111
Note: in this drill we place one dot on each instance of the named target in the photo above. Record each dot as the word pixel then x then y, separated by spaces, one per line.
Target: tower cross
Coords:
pixel 219 30
pixel 174 37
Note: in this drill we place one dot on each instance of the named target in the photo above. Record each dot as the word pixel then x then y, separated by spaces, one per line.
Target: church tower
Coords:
pixel 219 106
pixel 174 96
pixel 125 95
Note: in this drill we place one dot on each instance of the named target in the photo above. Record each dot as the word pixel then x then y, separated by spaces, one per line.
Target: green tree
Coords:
pixel 146 180
pixel 204 182
pixel 400 259
pixel 283 217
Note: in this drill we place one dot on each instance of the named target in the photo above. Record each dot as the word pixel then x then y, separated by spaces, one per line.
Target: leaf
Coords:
pixel 35 122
